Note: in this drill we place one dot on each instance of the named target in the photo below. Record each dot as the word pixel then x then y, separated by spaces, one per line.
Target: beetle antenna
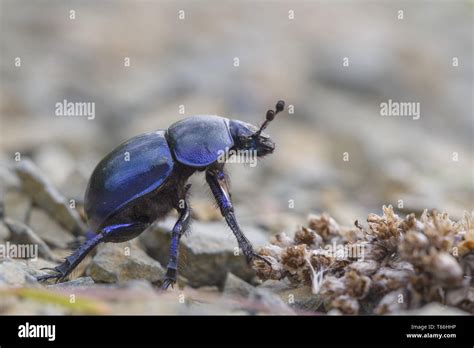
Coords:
pixel 279 107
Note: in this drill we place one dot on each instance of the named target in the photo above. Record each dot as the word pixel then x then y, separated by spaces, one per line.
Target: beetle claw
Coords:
pixel 264 259
pixel 167 283
pixel 45 277
pixel 56 275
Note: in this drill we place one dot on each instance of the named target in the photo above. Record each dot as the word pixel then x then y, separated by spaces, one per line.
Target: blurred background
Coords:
pixel 146 64
pixel 290 50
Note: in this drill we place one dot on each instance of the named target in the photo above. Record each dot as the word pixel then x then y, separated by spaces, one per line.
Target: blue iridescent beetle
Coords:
pixel 143 179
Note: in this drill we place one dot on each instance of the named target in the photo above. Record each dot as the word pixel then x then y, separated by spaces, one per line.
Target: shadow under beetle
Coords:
pixel 124 197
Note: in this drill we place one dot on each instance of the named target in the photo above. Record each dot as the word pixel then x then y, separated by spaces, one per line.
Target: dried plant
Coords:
pixel 399 264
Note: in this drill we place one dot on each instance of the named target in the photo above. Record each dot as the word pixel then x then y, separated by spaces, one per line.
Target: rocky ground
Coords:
pixel 400 257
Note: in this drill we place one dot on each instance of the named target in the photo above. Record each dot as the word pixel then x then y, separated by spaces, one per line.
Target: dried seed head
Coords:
pixel 264 271
pixel 414 246
pixel 366 267
pixel 387 279
pixel 282 240
pixel 346 304
pixel 294 257
pixel 271 250
pixel 424 259
pixel 325 226
pixel 357 285
pixel 466 247
pixel 445 269
pixel 385 226
pixel 307 236
pixel 391 303
pixel 467 225
pixel 332 287
pixel 409 223
pixel 351 235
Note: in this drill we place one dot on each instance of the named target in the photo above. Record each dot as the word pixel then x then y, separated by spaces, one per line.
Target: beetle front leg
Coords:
pixel 220 189
pixel 178 230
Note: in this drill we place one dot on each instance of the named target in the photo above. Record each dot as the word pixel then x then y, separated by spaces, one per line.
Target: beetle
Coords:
pixel 124 197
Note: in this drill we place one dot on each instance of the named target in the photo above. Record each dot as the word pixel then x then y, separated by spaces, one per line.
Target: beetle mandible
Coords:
pixel 124 197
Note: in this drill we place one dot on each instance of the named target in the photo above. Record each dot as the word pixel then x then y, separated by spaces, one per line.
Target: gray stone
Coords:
pixel 258 298
pixel 74 186
pixel 47 197
pixel 22 234
pixel 207 253
pixel 49 230
pixel 235 286
pixel 17 205
pixel 136 284
pixel 4 232
pixel 8 177
pixel 54 160
pixel 14 273
pixel 34 266
pixel 79 282
pixel 301 298
pixel 121 262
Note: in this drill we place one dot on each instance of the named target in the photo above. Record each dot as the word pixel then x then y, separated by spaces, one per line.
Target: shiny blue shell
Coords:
pixel 241 129
pixel 116 181
pixel 198 141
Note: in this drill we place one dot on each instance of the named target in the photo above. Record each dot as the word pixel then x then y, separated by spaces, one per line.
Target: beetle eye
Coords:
pixel 245 141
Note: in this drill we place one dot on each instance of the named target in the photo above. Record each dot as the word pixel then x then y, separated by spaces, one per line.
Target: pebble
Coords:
pixel 23 234
pixel 17 205
pixel 121 262
pixel 47 197
pixel 207 254
pixel 49 230
pixel 261 298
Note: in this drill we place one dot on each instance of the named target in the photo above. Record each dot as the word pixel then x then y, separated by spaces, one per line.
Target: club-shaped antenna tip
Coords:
pixel 280 106
pixel 270 115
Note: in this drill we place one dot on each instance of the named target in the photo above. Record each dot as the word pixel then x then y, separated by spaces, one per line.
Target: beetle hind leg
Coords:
pixel 112 233
pixel 64 269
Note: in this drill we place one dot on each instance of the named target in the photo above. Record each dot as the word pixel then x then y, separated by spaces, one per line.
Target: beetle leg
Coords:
pixel 219 187
pixel 178 230
pixel 64 269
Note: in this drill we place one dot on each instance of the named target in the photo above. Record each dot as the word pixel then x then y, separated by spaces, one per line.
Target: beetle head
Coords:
pixel 248 137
